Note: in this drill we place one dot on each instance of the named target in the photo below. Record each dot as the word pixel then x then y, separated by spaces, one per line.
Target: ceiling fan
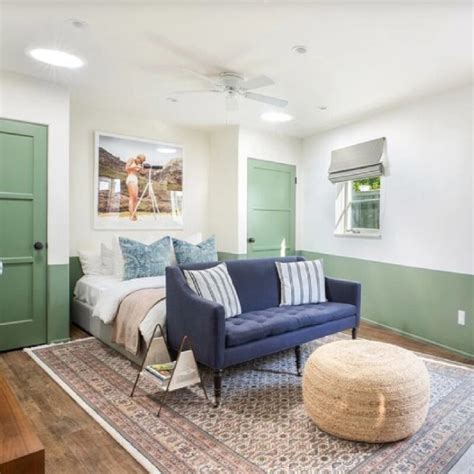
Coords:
pixel 234 85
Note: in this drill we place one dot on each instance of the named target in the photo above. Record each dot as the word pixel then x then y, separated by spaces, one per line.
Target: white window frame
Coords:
pixel 344 210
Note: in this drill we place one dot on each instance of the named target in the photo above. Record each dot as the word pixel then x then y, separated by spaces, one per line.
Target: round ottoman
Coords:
pixel 366 391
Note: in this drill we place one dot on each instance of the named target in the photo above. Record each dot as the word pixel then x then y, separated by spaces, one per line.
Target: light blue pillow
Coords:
pixel 141 260
pixel 189 253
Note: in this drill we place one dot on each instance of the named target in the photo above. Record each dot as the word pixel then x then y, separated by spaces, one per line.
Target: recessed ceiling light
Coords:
pixel 76 23
pixel 54 57
pixel 276 117
pixel 167 150
pixel 299 49
pixel 322 107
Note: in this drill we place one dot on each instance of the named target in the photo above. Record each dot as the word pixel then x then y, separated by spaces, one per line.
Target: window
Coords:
pixel 358 207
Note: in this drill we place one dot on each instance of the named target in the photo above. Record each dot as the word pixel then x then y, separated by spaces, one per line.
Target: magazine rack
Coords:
pixel 184 373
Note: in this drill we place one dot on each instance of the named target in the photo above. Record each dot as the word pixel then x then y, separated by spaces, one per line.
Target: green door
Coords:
pixel 271 209
pixel 23 173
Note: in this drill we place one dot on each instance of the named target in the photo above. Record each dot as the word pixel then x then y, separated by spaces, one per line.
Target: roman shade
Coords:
pixel 363 160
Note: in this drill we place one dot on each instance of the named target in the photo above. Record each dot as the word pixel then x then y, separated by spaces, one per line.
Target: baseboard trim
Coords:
pixel 60 341
pixel 419 338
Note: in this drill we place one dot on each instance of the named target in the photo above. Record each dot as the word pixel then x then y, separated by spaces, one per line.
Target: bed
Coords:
pixel 95 303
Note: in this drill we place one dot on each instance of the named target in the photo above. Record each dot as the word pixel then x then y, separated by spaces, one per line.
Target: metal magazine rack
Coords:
pixel 184 373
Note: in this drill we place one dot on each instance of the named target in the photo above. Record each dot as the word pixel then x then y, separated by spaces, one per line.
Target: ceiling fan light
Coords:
pixel 55 57
pixel 274 116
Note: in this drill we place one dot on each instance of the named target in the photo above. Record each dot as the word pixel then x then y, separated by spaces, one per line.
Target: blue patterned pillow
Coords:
pixel 189 253
pixel 141 260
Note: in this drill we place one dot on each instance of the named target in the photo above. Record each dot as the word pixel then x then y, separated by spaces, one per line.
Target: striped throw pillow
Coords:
pixel 215 284
pixel 301 282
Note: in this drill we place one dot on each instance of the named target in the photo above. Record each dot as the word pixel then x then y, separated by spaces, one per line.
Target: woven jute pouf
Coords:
pixel 366 391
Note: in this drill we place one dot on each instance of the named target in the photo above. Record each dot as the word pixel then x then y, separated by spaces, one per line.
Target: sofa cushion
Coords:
pixel 257 282
pixel 215 284
pixel 257 325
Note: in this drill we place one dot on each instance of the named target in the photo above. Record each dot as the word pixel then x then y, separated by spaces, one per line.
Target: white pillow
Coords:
pixel 91 262
pixel 301 282
pixel 107 257
pixel 118 259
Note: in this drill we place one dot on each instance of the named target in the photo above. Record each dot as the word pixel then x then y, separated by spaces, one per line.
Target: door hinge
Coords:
pixel 296 180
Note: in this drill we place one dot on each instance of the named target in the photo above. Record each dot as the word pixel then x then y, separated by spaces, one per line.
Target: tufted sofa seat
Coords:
pixel 268 322
pixel 264 327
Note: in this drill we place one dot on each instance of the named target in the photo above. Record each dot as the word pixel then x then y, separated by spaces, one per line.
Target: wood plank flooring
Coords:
pixel 75 443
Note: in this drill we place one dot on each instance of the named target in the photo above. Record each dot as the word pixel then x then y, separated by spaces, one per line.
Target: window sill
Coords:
pixel 358 236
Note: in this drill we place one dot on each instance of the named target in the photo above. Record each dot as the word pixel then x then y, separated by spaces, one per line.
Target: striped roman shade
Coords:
pixel 301 282
pixel 215 284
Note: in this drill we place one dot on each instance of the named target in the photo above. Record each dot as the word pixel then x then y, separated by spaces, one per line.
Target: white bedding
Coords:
pixel 89 287
pixel 105 293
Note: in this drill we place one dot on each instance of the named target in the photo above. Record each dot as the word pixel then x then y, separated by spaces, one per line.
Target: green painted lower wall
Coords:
pixel 231 256
pixel 58 303
pixel 414 301
pixel 75 272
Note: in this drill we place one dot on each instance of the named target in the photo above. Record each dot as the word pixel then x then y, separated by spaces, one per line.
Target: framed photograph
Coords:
pixel 138 183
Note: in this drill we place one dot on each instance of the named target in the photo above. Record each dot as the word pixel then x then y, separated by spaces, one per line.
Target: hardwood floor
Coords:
pixel 378 333
pixel 75 443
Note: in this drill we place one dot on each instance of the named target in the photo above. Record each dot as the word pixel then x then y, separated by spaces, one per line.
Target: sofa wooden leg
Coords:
pixel 354 333
pixel 217 387
pixel 298 360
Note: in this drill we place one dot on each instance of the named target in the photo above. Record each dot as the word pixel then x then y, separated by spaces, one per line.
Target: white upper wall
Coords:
pixel 231 147
pixel 427 195
pixel 223 188
pixel 85 119
pixel 31 100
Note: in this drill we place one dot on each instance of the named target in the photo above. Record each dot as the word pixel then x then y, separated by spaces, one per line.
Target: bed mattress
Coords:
pixel 90 288
pixel 103 294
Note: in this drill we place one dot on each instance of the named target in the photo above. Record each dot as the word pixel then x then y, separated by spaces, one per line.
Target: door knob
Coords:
pixel 38 245
pixel 251 240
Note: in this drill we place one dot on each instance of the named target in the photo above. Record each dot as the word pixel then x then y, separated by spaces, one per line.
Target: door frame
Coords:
pixel 46 214
pixel 293 223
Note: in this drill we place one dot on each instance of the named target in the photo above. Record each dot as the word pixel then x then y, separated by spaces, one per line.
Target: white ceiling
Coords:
pixel 362 57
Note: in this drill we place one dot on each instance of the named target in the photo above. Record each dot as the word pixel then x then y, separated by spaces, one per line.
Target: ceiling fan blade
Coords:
pixel 266 99
pixel 204 78
pixel 256 82
pixel 197 91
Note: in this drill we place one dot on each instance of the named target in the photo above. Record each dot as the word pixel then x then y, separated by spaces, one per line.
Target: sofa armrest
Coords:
pixel 344 291
pixel 203 321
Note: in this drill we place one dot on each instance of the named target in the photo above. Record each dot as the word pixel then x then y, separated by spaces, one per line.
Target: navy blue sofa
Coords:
pixel 264 327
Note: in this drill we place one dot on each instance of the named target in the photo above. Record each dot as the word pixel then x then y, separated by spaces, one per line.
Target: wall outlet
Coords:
pixel 461 317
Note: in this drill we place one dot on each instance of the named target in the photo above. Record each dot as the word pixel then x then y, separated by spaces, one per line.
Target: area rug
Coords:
pixel 261 425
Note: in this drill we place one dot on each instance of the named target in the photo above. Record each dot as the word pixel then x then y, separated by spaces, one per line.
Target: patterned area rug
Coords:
pixel 261 425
